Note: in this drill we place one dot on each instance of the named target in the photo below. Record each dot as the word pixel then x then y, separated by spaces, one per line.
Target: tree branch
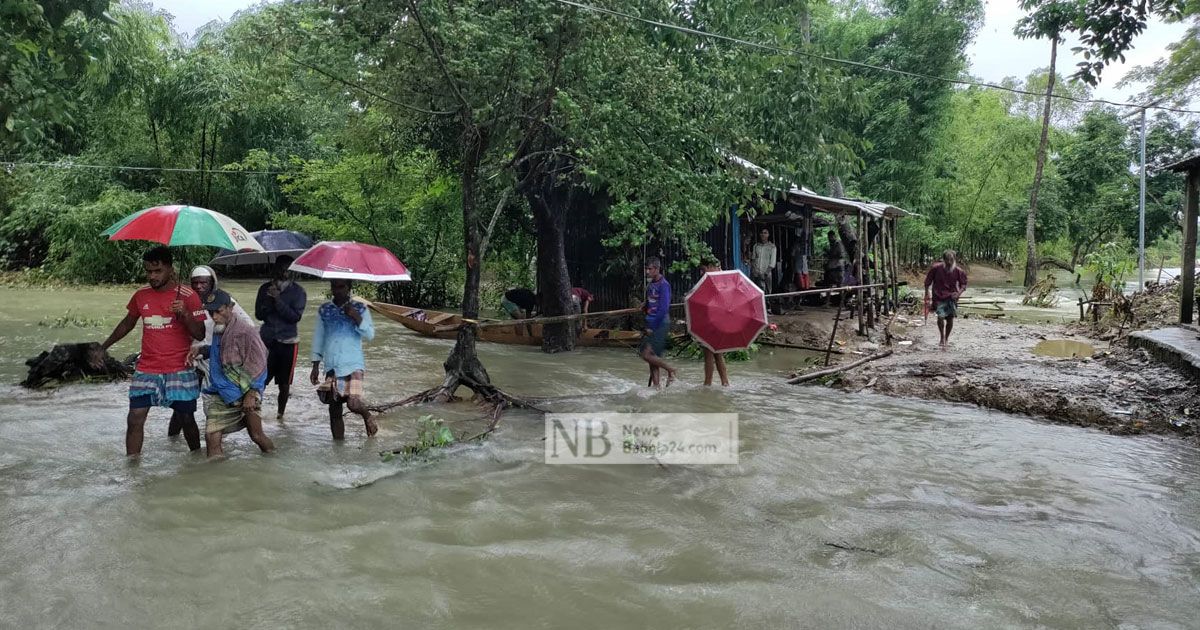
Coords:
pixel 360 88
pixel 487 236
pixel 441 61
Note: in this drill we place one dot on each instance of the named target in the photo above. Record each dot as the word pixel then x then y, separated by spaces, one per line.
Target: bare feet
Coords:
pixel 372 426
pixel 670 377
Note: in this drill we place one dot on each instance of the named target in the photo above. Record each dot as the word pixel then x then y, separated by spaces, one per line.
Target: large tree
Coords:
pixel 1106 29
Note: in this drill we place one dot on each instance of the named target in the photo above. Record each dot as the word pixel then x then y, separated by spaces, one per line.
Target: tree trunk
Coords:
pixel 1031 220
pixel 463 366
pixel 553 280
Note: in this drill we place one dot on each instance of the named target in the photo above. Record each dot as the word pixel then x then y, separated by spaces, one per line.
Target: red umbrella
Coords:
pixel 725 311
pixel 351 261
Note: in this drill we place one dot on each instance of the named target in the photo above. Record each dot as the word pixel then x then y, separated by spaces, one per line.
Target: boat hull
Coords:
pixel 429 323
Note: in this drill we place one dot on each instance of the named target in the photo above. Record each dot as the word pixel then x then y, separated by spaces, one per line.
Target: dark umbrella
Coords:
pixel 276 243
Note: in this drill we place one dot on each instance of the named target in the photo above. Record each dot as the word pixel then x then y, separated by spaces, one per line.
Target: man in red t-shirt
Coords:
pixel 172 317
pixel 948 282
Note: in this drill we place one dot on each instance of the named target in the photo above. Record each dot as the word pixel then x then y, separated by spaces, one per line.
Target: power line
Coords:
pixel 110 167
pixel 860 64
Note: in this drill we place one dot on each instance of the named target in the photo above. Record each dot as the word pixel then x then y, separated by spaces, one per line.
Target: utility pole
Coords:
pixel 1142 211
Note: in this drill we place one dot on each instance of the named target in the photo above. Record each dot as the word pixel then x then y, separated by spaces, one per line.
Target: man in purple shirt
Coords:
pixel 948 282
pixel 658 322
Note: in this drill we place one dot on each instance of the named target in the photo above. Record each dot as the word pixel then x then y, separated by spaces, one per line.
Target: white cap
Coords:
pixel 201 272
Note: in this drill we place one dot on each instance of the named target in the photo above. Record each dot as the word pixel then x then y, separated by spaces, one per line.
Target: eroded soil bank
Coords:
pixel 993 364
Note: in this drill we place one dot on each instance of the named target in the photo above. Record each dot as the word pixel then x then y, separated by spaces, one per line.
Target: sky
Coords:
pixel 996 53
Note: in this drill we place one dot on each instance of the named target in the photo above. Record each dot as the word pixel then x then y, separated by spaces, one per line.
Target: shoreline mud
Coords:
pixel 992 364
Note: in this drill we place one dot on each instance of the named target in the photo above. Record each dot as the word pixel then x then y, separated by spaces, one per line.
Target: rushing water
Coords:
pixel 846 511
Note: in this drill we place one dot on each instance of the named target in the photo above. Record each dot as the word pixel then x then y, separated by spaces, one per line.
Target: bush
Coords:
pixel 78 252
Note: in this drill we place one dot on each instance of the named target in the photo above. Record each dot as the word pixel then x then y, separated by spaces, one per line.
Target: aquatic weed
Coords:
pixel 69 320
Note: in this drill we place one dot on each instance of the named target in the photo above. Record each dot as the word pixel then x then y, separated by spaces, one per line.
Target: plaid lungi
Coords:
pixel 346 387
pixel 228 418
pixel 164 389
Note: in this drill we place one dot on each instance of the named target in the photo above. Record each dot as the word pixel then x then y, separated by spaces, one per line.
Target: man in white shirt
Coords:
pixel 762 262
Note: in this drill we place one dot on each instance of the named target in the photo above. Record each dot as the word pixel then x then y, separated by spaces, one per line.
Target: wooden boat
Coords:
pixel 426 323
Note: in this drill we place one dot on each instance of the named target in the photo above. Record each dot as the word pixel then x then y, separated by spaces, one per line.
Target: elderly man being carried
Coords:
pixel 237 376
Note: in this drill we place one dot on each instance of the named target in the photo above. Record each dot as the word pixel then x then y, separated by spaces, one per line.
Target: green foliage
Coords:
pixel 1096 185
pixel 44 47
pixel 905 116
pixel 692 349
pixel 406 203
pixel 432 434
pixel 78 252
pixel 1112 264
pixel 71 320
pixel 1106 30
pixel 1177 76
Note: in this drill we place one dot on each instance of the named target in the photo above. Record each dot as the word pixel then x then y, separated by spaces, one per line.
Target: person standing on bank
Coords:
pixel 948 281
pixel 342 326
pixel 658 323
pixel 172 318
pixel 280 306
pixel 763 261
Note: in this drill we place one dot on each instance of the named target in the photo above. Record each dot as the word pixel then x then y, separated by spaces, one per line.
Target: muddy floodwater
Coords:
pixel 846 510
pixel 1064 348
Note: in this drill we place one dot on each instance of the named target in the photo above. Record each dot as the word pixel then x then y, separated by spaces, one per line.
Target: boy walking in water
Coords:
pixel 342 325
pixel 172 318
pixel 948 282
pixel 658 323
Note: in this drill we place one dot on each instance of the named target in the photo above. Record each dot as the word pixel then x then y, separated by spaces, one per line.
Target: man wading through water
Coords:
pixel 342 326
pixel 280 305
pixel 948 282
pixel 204 283
pixel 237 370
pixel 171 318
pixel 658 323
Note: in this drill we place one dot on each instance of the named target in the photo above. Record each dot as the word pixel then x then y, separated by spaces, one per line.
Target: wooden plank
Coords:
pixel 440 318
pixel 1188 271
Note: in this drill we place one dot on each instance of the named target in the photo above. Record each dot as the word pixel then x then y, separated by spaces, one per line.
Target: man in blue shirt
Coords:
pixel 342 325
pixel 658 322
pixel 279 306
pixel 237 362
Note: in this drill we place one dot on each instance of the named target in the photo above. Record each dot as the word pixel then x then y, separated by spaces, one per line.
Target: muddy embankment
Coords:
pixel 993 364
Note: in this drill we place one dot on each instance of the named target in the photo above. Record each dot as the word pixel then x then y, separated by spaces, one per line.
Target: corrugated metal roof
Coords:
pixel 835 205
pixel 1186 164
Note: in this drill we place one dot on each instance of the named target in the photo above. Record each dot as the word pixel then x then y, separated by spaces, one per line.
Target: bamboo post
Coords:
pixel 895 262
pixel 867 273
pixel 833 335
pixel 881 274
pixel 885 270
pixel 858 260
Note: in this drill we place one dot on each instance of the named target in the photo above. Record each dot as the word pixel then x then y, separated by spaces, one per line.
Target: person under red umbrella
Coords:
pixel 342 325
pixel 725 312
pixel 172 317
pixel 713 359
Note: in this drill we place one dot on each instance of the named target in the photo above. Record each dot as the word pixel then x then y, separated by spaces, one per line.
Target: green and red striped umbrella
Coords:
pixel 183 225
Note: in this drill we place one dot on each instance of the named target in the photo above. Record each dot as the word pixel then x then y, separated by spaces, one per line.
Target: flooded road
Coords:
pixel 846 510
